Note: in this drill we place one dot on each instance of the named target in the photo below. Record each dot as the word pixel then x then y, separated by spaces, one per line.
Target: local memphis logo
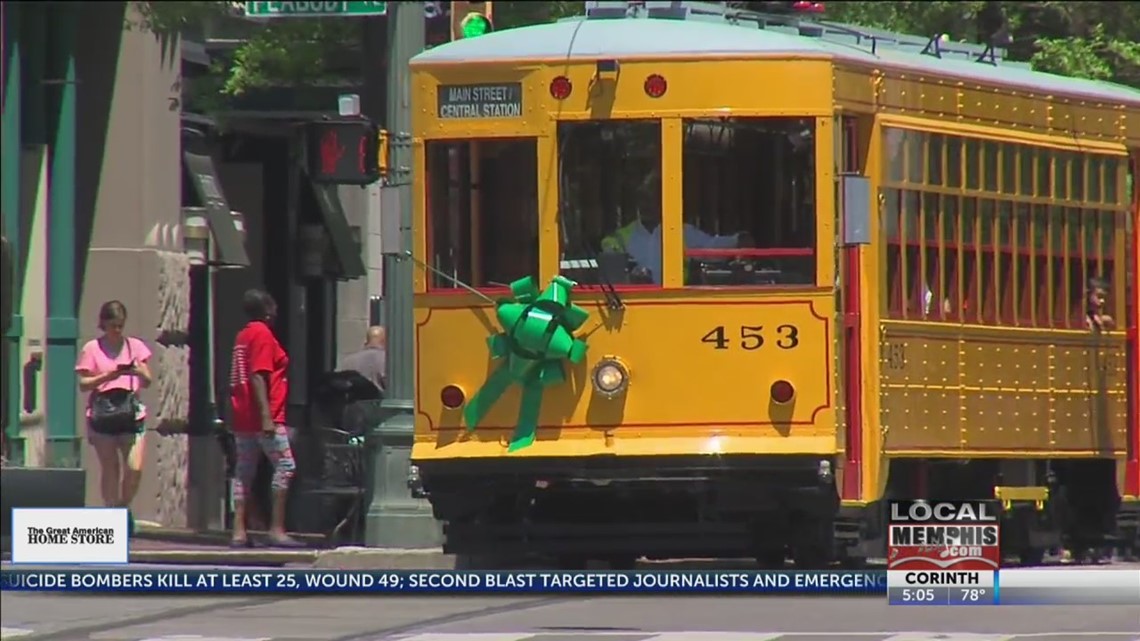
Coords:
pixel 70 535
pixel 948 535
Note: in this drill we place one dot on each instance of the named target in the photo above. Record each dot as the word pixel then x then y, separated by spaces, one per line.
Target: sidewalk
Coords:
pixel 154 544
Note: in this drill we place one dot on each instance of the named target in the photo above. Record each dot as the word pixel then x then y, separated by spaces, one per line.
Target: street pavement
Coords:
pixel 74 617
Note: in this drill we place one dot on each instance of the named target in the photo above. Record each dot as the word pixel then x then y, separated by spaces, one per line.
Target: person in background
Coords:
pixel 1095 317
pixel 113 368
pixel 371 361
pixel 259 387
pixel 641 239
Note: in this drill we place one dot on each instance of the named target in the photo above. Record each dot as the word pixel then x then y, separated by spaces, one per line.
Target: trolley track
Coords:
pixel 85 631
pixel 459 617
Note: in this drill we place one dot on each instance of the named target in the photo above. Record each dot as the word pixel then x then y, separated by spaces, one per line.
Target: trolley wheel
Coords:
pixel 771 558
pixel 850 562
pixel 478 562
pixel 625 562
pixel 572 562
pixel 810 556
pixel 1032 556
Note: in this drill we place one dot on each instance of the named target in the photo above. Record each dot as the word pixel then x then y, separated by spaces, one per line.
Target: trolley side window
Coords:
pixel 610 211
pixel 997 233
pixel 482 211
pixel 749 201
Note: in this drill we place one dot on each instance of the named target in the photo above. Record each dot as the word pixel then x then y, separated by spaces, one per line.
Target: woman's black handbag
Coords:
pixel 115 411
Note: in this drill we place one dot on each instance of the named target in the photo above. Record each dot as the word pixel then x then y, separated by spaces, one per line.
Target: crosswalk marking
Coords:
pixel 12 633
pixel 587 635
pixel 947 637
pixel 472 636
pixel 714 637
pixel 195 637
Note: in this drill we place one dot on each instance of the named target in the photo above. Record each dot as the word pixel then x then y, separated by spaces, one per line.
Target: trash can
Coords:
pixel 336 401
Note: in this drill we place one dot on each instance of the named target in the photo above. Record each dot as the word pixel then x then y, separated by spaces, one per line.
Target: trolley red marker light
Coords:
pixel 655 86
pixel 782 392
pixel 560 88
pixel 452 397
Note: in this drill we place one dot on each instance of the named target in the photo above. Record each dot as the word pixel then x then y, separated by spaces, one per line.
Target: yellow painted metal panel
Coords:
pixel 1007 110
pixel 695 89
pixel 725 390
pixel 985 391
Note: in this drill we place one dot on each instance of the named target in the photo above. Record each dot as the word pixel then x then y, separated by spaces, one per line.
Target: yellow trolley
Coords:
pixel 699 283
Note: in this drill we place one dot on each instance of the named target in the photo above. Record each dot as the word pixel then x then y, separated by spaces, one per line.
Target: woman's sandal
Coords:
pixel 284 542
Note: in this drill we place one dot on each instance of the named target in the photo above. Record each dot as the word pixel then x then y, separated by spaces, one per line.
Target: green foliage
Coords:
pixel 290 52
pixel 509 15
pixel 169 18
pixel 277 53
pixel 295 51
pixel 1097 40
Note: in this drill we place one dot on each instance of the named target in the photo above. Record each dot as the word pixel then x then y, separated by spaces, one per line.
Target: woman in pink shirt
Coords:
pixel 115 366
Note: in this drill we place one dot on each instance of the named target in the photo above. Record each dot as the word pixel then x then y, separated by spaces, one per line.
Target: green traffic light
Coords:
pixel 475 25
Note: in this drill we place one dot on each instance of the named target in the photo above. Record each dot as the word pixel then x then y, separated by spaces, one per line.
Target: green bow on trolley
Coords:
pixel 538 335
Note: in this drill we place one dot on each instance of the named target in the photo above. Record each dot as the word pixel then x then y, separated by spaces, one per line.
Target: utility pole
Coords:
pixel 395 519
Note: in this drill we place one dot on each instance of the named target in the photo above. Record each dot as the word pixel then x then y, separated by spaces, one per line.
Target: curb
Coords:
pixel 346 558
pixel 355 558
pixel 237 558
pixel 150 531
pixel 338 559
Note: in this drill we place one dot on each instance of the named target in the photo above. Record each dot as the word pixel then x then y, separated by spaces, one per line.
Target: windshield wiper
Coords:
pixel 613 298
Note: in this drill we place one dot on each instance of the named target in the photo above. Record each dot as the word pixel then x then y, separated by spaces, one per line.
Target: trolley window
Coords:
pixel 610 211
pixel 749 201
pixel 482 210
pixel 1016 240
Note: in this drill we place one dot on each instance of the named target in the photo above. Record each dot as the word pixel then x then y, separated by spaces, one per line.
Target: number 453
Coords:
pixel 752 337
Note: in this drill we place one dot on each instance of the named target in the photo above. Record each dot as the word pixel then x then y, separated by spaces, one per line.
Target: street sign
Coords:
pixel 314 9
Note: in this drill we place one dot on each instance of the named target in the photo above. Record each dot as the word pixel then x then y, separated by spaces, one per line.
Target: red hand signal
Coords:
pixel 331 152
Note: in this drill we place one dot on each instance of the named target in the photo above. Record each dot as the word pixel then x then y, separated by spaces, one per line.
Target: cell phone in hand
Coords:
pixel 126 367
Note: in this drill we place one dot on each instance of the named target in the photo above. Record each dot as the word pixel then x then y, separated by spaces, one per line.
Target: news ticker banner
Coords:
pixel 949 552
pixel 1029 586
pixel 1007 587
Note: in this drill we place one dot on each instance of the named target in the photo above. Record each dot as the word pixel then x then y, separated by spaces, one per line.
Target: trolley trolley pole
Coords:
pixel 396 519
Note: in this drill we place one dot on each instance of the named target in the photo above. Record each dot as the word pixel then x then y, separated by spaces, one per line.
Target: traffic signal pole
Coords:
pixel 395 519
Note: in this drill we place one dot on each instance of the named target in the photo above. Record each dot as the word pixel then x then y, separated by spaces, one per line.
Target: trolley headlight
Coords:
pixel 610 377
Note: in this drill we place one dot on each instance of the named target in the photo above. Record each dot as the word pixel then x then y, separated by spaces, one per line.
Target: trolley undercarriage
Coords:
pixel 622 509
pixel 762 507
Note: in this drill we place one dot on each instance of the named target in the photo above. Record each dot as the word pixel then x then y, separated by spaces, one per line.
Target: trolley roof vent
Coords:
pixel 800 24
pixel 605 10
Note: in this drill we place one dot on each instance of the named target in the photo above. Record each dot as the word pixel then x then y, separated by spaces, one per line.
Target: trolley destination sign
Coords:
pixel 480 101
pixel 313 9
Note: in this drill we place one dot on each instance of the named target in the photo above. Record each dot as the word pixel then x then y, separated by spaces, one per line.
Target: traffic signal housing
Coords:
pixel 471 19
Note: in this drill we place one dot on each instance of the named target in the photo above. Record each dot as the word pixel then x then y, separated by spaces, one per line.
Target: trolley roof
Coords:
pixel 720 33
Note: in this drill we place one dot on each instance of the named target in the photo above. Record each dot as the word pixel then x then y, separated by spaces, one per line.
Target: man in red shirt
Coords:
pixel 259 387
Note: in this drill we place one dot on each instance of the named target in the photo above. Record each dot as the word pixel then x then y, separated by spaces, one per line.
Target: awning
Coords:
pixel 346 246
pixel 228 243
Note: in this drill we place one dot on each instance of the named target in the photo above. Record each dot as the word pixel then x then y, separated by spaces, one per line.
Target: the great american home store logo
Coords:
pixel 88 535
